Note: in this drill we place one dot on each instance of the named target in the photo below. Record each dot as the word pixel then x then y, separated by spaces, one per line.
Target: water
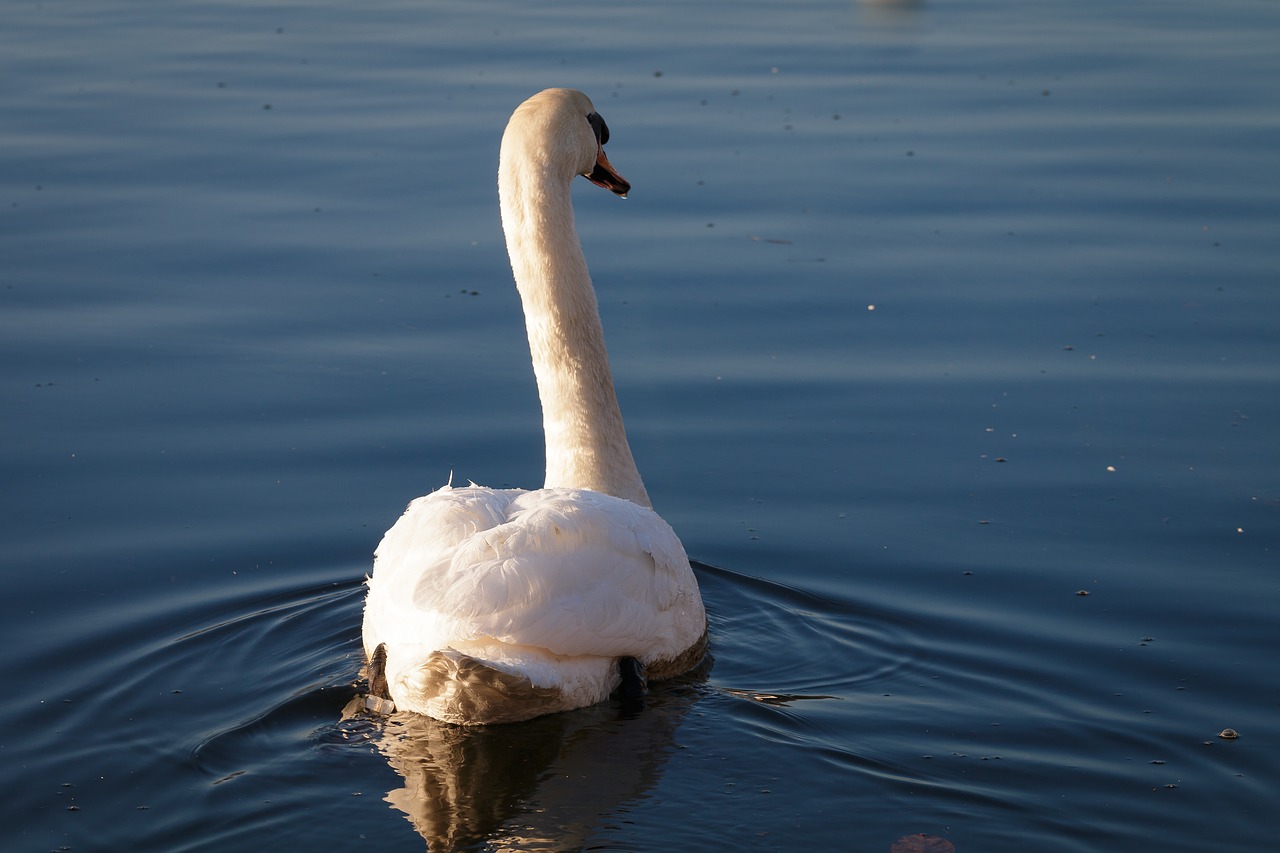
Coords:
pixel 925 318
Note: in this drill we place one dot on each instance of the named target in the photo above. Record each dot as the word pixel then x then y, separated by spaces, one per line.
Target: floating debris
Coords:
pixel 1228 734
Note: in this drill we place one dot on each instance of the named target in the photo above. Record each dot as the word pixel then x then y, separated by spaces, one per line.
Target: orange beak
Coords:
pixel 604 175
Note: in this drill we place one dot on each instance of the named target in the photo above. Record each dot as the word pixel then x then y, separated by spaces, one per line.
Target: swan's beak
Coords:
pixel 604 175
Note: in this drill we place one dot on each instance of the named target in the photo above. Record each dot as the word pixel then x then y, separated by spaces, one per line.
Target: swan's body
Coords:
pixel 497 605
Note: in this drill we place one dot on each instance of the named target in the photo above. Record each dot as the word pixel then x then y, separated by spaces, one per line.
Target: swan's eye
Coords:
pixel 598 127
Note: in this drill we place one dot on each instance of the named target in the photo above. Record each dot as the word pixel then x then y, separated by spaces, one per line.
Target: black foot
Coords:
pixel 634 686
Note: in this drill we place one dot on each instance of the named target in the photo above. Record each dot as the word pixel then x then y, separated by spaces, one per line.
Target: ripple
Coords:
pixel 776 643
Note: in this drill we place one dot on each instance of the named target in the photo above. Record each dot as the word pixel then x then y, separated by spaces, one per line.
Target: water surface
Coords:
pixel 926 319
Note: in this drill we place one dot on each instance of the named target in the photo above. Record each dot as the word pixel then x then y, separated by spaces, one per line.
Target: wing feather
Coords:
pixel 570 571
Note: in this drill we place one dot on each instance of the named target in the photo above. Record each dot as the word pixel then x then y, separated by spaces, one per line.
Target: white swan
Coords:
pixel 498 605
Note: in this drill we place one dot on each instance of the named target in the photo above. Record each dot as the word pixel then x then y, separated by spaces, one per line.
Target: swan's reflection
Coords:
pixel 546 784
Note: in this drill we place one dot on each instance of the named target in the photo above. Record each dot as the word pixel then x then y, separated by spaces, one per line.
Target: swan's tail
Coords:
pixel 479 690
pixel 458 688
pixel 462 689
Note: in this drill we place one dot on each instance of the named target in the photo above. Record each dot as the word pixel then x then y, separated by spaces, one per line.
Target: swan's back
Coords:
pixel 550 587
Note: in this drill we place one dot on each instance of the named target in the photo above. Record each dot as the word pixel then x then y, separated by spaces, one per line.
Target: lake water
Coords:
pixel 926 319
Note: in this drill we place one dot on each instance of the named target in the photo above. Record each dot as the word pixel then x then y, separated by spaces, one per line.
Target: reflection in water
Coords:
pixel 782 700
pixel 889 14
pixel 556 782
pixel 545 784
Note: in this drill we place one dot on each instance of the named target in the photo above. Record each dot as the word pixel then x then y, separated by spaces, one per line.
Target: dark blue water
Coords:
pixel 926 318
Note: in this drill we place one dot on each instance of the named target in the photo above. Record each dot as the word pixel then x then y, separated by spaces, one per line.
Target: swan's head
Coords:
pixel 559 130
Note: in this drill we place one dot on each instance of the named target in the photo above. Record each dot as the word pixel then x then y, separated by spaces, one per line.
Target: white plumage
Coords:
pixel 552 586
pixel 497 605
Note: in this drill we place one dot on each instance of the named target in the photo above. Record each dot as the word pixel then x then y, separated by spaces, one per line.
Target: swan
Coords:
pixel 499 605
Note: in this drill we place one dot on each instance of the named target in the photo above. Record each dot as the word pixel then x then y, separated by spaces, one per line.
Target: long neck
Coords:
pixel 585 439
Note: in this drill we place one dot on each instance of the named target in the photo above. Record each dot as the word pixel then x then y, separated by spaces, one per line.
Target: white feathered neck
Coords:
pixel 547 143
